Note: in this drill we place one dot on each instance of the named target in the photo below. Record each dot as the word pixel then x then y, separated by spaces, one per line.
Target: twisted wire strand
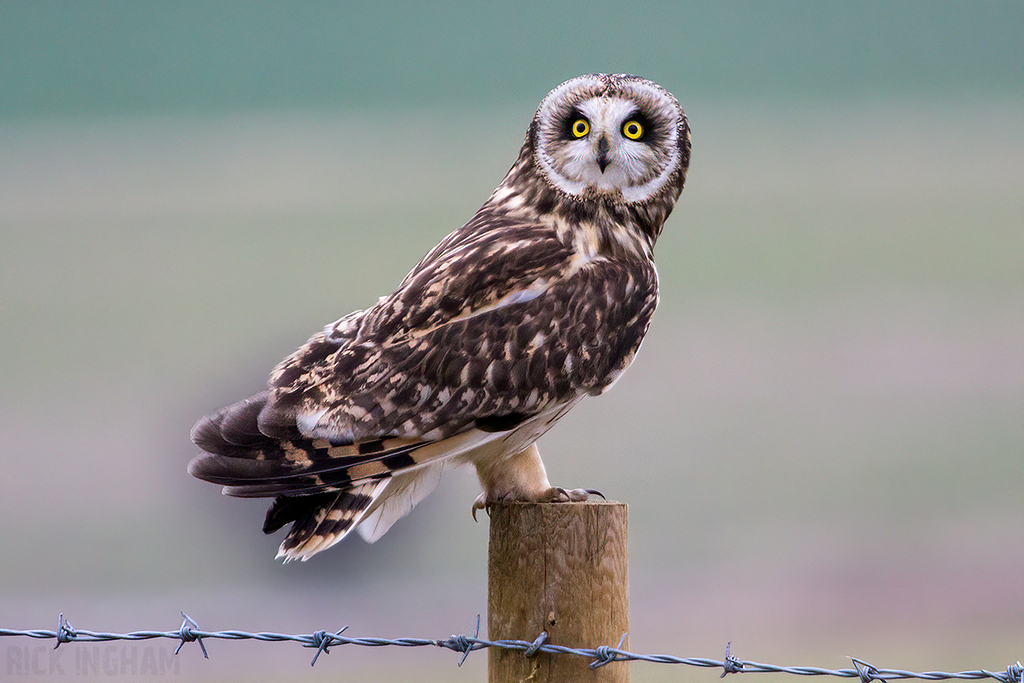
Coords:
pixel 321 641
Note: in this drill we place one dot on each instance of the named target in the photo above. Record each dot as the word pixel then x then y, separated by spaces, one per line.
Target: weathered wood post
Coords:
pixel 560 568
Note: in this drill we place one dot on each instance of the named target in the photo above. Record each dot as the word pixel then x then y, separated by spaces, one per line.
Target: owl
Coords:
pixel 540 300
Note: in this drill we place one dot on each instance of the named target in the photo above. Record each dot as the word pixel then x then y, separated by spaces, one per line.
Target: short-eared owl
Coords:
pixel 542 298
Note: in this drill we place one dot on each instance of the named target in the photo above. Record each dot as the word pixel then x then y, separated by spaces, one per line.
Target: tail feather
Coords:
pixel 289 509
pixel 404 492
pixel 321 521
pixel 323 489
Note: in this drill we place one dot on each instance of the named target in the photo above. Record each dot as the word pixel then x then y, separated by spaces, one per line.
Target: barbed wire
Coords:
pixel 321 641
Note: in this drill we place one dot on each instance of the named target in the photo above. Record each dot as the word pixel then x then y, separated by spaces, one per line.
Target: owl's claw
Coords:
pixel 555 494
pixel 481 503
pixel 559 495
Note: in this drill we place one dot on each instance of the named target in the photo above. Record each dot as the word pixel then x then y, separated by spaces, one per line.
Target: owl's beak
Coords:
pixel 602 153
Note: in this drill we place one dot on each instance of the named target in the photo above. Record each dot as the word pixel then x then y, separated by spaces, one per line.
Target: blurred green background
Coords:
pixel 822 441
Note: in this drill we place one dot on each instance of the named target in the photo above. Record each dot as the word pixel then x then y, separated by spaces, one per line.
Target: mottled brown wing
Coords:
pixel 504 327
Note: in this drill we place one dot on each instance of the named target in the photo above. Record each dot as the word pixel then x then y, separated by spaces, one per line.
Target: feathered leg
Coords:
pixel 521 477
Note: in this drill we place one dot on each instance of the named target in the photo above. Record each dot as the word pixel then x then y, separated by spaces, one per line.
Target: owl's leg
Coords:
pixel 521 478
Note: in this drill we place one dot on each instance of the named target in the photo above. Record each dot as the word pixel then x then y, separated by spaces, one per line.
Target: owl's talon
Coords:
pixel 557 494
pixel 481 503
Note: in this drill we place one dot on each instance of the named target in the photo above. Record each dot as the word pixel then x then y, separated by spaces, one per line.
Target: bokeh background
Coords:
pixel 821 442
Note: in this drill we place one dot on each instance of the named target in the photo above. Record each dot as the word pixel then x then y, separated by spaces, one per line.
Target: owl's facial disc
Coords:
pixel 602 142
pixel 605 157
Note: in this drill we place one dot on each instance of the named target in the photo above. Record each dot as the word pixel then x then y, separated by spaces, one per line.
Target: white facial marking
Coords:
pixel 636 168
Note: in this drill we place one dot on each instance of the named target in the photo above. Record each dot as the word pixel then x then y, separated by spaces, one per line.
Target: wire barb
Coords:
pixel 866 672
pixel 1014 674
pixel 188 630
pixel 731 665
pixel 607 655
pixel 464 644
pixel 535 645
pixel 322 640
pixel 65 631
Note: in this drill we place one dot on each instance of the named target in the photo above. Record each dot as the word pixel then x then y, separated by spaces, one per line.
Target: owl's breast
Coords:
pixel 623 298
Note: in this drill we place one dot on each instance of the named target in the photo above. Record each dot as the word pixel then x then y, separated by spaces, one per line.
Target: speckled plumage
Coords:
pixel 542 298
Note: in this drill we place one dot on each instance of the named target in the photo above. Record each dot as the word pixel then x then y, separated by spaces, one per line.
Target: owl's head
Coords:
pixel 601 135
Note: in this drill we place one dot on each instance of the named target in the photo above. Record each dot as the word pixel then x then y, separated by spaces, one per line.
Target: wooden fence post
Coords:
pixel 560 568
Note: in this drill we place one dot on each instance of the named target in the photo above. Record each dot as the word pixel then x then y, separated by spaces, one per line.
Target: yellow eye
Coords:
pixel 580 128
pixel 632 130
